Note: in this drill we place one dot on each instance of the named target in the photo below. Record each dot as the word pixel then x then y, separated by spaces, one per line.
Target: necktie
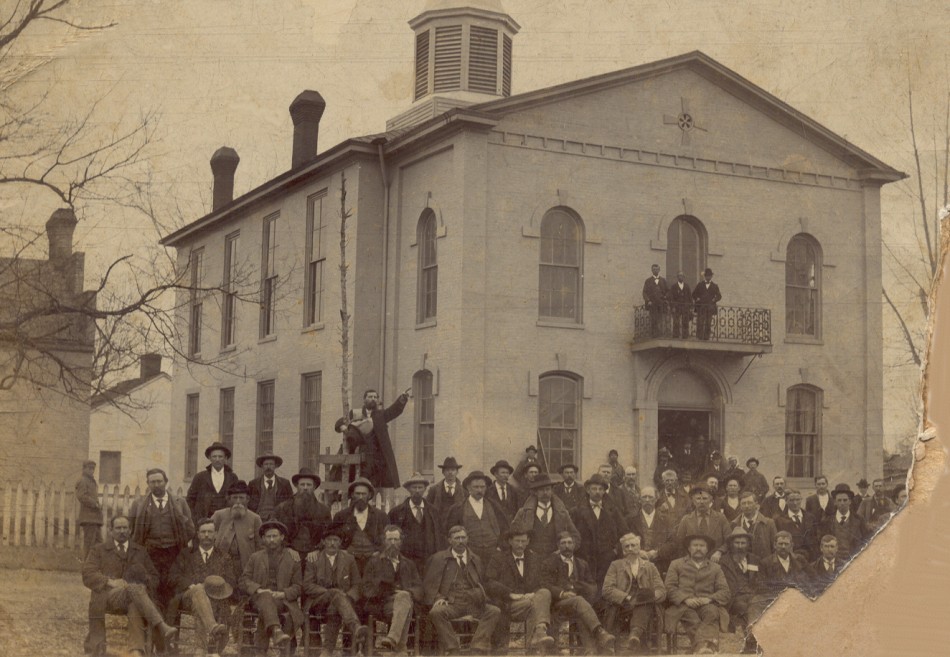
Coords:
pixel 798 519
pixel 204 555
pixel 841 522
pixel 161 504
pixel 596 508
pixel 461 563
pixel 504 493
pixel 704 526
pixel 545 515
pixel 829 566
pixel 417 512
pixel 519 561
pixel 451 491
pixel 746 524
pixel 122 550
pixel 270 485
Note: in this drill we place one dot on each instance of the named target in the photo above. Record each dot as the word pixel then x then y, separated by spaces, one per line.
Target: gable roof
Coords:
pixel 723 77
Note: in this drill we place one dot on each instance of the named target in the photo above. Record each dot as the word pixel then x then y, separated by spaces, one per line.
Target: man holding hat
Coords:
pixel 503 492
pixel 742 570
pixel 422 532
pixel 90 511
pixel 268 490
pixel 698 594
pixel 544 516
pixel 236 526
pixel 331 585
pixel 568 490
pixel 362 524
pixel 305 517
pixel 632 586
pixel 272 578
pixel 208 491
pixel 705 295
pixel 484 519
pixel 755 480
pixel 448 492
pixel 372 424
pixel 846 526
pixel 600 526
pixel 205 579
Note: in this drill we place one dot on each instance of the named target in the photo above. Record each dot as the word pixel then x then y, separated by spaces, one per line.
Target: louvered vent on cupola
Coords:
pixel 448 58
pixel 483 60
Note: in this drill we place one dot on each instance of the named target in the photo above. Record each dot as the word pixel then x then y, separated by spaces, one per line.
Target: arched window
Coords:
pixel 428 288
pixel 803 287
pixel 559 418
pixel 802 431
pixel 424 423
pixel 686 249
pixel 562 266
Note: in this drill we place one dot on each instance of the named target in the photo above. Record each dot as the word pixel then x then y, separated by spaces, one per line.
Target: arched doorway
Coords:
pixel 689 421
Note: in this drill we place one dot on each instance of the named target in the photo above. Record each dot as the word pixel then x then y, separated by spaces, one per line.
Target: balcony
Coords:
pixel 734 330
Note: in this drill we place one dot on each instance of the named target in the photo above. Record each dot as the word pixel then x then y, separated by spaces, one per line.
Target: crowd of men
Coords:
pixel 516 545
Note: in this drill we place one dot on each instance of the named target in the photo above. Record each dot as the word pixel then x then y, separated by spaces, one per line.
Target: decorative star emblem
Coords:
pixel 685 121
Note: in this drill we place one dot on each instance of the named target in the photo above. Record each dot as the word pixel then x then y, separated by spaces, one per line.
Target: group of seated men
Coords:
pixel 610 559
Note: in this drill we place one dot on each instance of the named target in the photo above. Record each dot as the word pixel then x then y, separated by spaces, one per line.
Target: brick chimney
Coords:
pixel 150 365
pixel 223 164
pixel 305 112
pixel 59 230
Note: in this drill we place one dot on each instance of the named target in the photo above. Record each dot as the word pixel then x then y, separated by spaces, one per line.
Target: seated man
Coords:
pixel 236 526
pixel 114 571
pixel 699 595
pixel 632 587
pixel 572 592
pixel 272 579
pixel 331 585
pixel 514 584
pixel 454 587
pixel 826 567
pixel 391 589
pixel 741 568
pixel 190 574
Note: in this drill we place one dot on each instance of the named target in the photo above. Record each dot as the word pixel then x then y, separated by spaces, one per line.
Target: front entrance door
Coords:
pixel 685 433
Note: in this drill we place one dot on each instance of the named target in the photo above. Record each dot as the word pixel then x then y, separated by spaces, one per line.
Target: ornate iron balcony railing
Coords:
pixel 685 322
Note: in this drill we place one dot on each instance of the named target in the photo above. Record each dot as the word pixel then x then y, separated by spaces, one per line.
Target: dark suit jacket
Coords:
pixel 319 576
pixel 657 537
pixel 284 491
pixel 813 506
pixel 376 522
pixel 770 506
pixel 442 570
pixel 763 534
pixel 189 568
pixel 504 579
pixel 654 293
pixel 577 494
pixel 683 505
pixel 742 583
pixel 442 501
pixel 822 579
pixel 380 581
pixel 515 498
pixel 315 525
pixel 775 579
pixel 104 563
pixel 855 531
pixel 457 514
pixel 805 539
pixel 718 530
pixel 419 543
pixel 681 301
pixel 706 299
pixel 182 524
pixel 379 462
pixel 554 577
pixel 202 499
pixel 599 538
pixel 87 494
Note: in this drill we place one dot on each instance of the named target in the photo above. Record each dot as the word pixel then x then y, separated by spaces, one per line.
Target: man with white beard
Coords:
pixel 236 526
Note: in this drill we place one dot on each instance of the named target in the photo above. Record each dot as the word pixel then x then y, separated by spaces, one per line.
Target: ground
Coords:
pixel 43 614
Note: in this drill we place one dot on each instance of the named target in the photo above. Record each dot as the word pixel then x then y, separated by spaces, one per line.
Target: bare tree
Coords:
pixel 344 310
pixel 54 334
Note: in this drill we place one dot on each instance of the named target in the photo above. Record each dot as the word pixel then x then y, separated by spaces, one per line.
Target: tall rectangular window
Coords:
pixel 311 389
pixel 229 285
pixel 110 467
pixel 265 418
pixel 561 268
pixel 802 432
pixel 424 421
pixel 315 260
pixel 428 285
pixel 226 417
pixel 559 419
pixel 269 276
pixel 194 321
pixel 191 435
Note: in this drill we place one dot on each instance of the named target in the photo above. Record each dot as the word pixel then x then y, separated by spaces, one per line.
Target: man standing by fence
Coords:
pixel 90 511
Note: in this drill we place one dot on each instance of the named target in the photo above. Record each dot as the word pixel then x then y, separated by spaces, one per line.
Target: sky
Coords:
pixel 223 72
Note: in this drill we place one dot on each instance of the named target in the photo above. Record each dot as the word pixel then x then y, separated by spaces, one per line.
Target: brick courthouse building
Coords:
pixel 497 249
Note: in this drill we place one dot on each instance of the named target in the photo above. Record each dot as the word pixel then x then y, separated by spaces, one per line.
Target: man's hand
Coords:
pixel 716 556
pixel 657 594
pixel 279 595
pixel 295 556
pixel 311 556
pixel 441 602
pixel 115 583
pixel 692 603
pixel 567 594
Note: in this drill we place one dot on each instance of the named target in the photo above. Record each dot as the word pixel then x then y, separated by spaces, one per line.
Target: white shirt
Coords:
pixel 120 546
pixel 679 285
pixel 519 562
pixel 744 564
pixel 206 554
pixel 795 516
pixel 635 568
pixel 217 479
pixel 570 565
pixel 362 517
pixel 840 517
pixel 457 556
pixel 159 501
pixel 450 488
pixel 332 559
pixel 541 512
pixel 648 517
pixel 270 483
pixel 478 506
pixel 786 563
pixel 596 508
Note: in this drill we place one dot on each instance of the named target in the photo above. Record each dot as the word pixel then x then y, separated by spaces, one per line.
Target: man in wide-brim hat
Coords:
pixel 268 490
pixel 236 525
pixel 544 516
pixel 272 590
pixel 209 488
pixel 698 594
pixel 304 516
pixel 421 525
pixel 569 490
pixel 742 570
pixel 502 490
pixel 446 493
pixel 364 524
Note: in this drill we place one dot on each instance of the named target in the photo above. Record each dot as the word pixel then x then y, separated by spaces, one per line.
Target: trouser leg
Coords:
pixel 91 535
pixel 136 628
pixel 440 616
pixel 708 629
pixel 267 608
pixel 200 606
pixel 640 620
pixel 401 615
pixel 540 612
pixel 144 604
pixel 488 618
pixel 342 606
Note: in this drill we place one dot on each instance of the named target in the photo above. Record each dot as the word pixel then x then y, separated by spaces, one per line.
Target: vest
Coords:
pixel 544 540
pixel 482 534
pixel 361 545
pixel 159 526
pixel 268 502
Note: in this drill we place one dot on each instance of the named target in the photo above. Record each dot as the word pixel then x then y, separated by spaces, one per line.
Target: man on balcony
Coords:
pixel 680 299
pixel 705 295
pixel 654 297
